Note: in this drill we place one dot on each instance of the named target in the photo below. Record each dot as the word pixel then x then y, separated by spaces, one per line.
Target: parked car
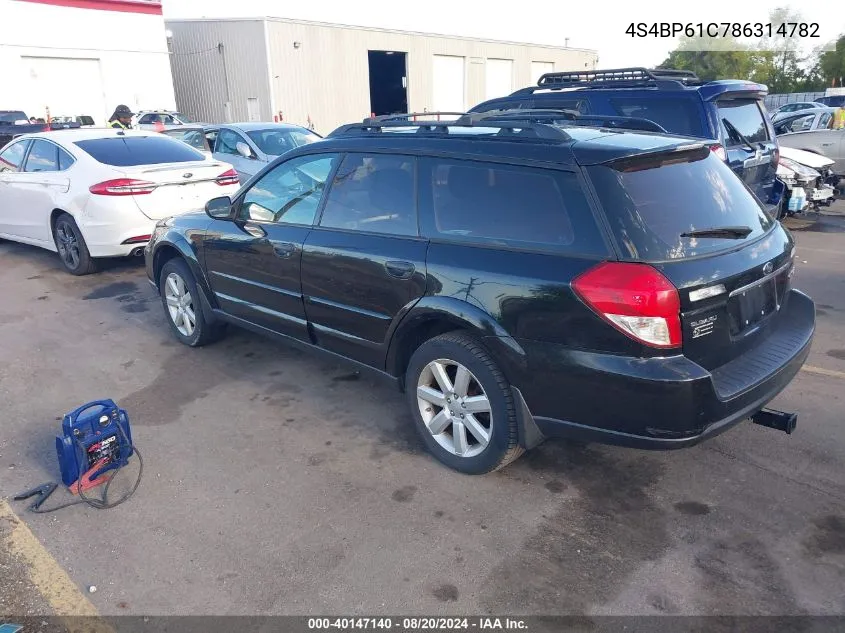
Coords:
pixel 160 119
pixel 796 106
pixel 91 193
pixel 809 180
pixel 731 112
pixel 509 275
pixel 818 140
pixel 192 135
pixel 803 121
pixel 15 123
pixel 250 146
pixel 833 101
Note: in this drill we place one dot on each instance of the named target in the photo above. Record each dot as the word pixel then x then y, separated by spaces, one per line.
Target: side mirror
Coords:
pixel 243 149
pixel 219 208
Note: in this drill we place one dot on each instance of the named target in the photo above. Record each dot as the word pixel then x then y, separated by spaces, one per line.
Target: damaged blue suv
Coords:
pixel 729 112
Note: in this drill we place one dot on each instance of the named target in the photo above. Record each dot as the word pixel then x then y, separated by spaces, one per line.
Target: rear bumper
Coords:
pixel 661 403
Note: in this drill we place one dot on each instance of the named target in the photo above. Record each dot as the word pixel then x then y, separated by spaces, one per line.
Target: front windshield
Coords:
pixel 182 117
pixel 275 142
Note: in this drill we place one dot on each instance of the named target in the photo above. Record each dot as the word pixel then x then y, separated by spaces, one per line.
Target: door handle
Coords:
pixel 399 269
pixel 284 249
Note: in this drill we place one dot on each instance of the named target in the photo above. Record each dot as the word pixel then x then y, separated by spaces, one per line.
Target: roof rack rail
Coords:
pixel 573 117
pixel 411 115
pixel 668 78
pixel 513 127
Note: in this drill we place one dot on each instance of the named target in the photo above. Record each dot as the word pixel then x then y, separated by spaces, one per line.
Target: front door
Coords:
pixel 365 262
pixel 253 262
pixel 226 149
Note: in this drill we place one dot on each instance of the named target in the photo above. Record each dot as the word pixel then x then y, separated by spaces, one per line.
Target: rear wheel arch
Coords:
pixel 434 316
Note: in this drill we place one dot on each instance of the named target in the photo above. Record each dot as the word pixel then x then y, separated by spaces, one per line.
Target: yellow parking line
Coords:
pixel 823 372
pixel 53 582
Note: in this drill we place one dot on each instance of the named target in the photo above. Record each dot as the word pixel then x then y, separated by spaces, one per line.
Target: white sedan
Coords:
pixel 92 193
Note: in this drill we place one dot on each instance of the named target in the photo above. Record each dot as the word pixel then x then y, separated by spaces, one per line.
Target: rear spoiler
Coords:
pixel 658 157
pixel 732 89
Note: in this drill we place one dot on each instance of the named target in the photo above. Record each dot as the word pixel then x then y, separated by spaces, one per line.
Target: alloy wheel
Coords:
pixel 454 407
pixel 180 304
pixel 68 245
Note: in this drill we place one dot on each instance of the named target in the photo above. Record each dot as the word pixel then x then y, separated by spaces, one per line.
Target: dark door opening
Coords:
pixel 388 82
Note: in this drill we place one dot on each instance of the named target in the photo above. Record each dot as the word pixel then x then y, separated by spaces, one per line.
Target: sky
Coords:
pixel 594 25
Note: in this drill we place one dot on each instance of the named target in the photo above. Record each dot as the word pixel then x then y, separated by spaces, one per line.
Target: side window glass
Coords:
pixel 514 206
pixel 146 119
pixel 43 156
pixel 825 120
pixel 211 139
pixel 12 157
pixel 291 192
pixel 65 160
pixel 375 193
pixel 227 142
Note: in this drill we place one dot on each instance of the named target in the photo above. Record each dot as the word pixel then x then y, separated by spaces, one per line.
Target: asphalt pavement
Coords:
pixel 276 483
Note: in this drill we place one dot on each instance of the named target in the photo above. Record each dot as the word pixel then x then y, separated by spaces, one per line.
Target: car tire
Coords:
pixel 182 308
pixel 71 247
pixel 475 431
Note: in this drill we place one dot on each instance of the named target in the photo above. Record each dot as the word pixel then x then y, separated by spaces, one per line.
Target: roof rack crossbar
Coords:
pixel 666 78
pixel 573 117
pixel 521 126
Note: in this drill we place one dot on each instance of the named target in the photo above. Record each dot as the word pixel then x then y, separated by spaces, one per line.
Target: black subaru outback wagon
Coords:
pixel 517 279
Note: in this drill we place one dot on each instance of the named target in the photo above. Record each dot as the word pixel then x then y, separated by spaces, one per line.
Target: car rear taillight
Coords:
pixel 228 178
pixel 635 299
pixel 122 187
pixel 719 151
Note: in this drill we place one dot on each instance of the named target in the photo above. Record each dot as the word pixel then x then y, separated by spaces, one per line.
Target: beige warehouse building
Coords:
pixel 326 75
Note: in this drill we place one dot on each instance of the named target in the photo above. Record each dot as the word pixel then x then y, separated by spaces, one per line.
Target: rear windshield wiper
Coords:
pixel 724 232
pixel 735 132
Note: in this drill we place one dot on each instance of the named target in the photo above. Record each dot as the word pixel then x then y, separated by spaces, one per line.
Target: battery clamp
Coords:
pixel 96 442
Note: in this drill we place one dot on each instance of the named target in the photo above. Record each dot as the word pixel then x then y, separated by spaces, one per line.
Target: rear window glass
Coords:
pixel 507 205
pixel 650 205
pixel 744 117
pixel 11 117
pixel 126 151
pixel 677 115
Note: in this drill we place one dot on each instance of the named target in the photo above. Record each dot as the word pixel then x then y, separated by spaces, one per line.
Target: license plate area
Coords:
pixel 748 308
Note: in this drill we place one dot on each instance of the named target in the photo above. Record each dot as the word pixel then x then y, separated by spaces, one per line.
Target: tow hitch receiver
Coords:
pixel 778 420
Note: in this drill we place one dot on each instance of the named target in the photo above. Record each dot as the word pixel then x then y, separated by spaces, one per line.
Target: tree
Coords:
pixel 711 64
pixel 831 65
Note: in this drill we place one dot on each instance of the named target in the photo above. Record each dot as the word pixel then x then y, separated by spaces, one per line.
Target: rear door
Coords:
pixel 253 262
pixel 732 286
pixel 41 181
pixel 364 262
pixel 752 152
pixel 11 194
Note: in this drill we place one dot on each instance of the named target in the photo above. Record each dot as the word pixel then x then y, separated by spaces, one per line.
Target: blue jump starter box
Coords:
pixel 95 439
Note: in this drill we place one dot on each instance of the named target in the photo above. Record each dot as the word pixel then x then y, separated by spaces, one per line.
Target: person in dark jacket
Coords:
pixel 122 118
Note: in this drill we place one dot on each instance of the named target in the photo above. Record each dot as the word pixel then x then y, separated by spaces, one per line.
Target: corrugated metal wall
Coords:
pixel 319 72
pixel 326 77
pixel 206 79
